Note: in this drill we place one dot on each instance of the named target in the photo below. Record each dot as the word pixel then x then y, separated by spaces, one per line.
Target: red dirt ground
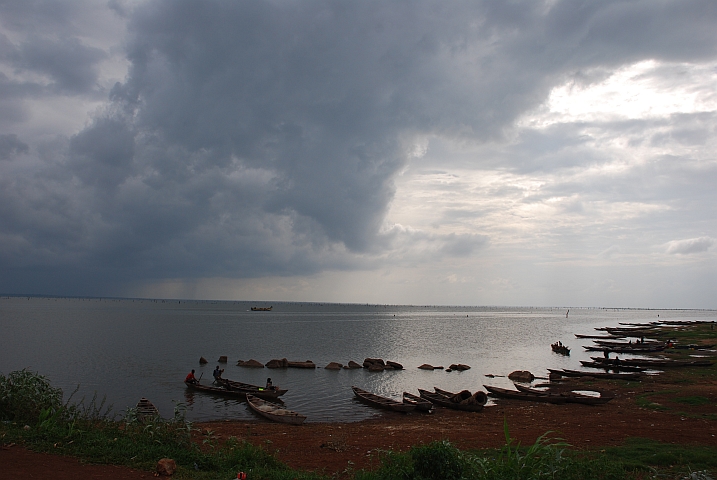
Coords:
pixel 335 447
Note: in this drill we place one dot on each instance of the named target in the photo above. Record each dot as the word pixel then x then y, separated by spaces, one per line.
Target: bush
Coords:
pixel 26 395
pixel 437 461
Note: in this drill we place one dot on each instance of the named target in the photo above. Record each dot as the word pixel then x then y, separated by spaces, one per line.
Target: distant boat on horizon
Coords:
pixel 261 309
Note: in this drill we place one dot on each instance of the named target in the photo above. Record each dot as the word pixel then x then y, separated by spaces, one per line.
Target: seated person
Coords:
pixel 269 385
pixel 191 378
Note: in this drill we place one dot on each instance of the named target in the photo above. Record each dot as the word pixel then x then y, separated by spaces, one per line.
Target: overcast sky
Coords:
pixel 476 153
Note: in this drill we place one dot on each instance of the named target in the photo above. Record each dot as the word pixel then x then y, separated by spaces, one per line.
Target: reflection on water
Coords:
pixel 127 349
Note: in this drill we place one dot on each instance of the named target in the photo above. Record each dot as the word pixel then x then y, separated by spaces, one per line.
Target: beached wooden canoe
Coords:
pixel 480 397
pixel 611 376
pixel 570 397
pixel 421 404
pixel 444 401
pixel 146 409
pixel 274 411
pixel 614 368
pixel 655 363
pixel 518 395
pixel 385 403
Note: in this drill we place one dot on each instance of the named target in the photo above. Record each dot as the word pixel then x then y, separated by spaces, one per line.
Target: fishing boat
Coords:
pixel 274 411
pixel 599 337
pixel 480 397
pixel 570 397
pixel 654 363
pixel 421 404
pixel 558 347
pixel 228 391
pixel 256 390
pixel 385 403
pixel 518 395
pixel 611 376
pixel 616 367
pixel 628 349
pixel 261 309
pixel 146 409
pixel 444 401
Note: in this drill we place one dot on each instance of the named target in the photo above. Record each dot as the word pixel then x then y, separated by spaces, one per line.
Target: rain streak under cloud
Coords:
pixel 483 153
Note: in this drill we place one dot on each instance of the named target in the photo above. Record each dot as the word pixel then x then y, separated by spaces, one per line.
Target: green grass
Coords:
pixel 694 400
pixel 33 414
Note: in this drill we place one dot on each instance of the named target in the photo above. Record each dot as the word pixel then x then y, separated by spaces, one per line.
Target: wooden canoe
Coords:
pixel 385 403
pixel 657 348
pixel 256 390
pixel 655 363
pixel 611 376
pixel 444 401
pixel 146 409
pixel 518 395
pixel 614 368
pixel 274 411
pixel 570 397
pixel 480 397
pixel 421 404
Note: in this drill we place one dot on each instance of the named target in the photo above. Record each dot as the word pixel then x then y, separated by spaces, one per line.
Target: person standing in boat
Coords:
pixel 191 378
pixel 217 374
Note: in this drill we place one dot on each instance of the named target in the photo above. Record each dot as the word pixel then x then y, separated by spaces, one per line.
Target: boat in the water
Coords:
pixel 447 402
pixel 599 337
pixel 570 396
pixel 385 403
pixel 248 388
pixel 518 395
pixel 611 376
pixel 274 411
pixel 558 347
pixel 421 404
pixel 261 309
pixel 228 391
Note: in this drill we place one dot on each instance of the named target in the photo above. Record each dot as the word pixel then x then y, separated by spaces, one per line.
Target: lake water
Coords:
pixel 127 349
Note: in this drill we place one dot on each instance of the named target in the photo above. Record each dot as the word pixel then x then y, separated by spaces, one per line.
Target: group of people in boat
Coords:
pixel 217 374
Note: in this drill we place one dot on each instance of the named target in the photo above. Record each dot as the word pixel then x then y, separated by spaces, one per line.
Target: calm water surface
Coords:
pixel 127 349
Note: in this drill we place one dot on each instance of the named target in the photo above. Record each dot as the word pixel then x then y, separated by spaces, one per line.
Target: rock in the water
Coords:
pixel 250 363
pixel 333 366
pixel 203 360
pixel 521 376
pixel 306 364
pixel 274 363
pixel 394 365
pixel 222 359
pixel 373 361
pixel 353 364
pixel 426 366
pixel 166 467
pixel 459 366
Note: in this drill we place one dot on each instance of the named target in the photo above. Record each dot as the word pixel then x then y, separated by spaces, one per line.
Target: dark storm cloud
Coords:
pixel 256 138
pixel 10 146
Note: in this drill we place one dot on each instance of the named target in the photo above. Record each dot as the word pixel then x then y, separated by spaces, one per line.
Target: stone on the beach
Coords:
pixel 333 366
pixel 250 363
pixel 353 364
pixel 222 359
pixel 521 376
pixel 395 365
pixel 166 467
pixel 203 360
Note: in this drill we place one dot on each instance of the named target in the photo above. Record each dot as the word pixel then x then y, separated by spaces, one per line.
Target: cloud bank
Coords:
pixel 174 141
